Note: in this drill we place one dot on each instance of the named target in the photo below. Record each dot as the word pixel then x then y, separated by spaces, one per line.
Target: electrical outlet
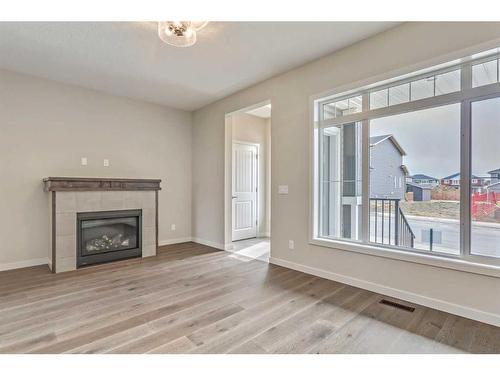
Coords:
pixel 84 161
pixel 106 162
pixel 172 227
pixel 291 244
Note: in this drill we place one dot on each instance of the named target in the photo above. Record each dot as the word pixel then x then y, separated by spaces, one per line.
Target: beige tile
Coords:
pixel 148 236
pixel 65 201
pixel 133 200
pixel 65 246
pixel 112 200
pixel 148 217
pixel 65 264
pixel 87 201
pixel 148 251
pixel 147 199
pixel 66 224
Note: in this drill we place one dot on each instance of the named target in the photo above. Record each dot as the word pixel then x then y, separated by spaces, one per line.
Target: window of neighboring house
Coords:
pixel 416 122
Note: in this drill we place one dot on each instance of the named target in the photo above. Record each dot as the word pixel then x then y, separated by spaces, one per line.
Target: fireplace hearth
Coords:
pixel 108 235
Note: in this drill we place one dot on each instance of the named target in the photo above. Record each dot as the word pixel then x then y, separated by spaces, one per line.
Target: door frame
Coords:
pixel 257 171
pixel 228 172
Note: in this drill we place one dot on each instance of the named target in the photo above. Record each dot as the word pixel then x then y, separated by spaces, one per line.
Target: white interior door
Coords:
pixel 244 198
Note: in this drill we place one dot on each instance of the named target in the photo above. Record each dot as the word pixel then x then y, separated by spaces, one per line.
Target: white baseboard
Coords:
pixel 437 304
pixel 209 243
pixel 23 264
pixel 174 241
pixel 264 234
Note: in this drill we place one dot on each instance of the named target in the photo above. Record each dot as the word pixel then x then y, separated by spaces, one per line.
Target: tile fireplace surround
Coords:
pixel 71 195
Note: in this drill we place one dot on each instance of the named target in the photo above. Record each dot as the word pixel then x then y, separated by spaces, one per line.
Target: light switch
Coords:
pixel 173 227
pixel 291 244
pixel 283 189
pixel 106 162
pixel 84 161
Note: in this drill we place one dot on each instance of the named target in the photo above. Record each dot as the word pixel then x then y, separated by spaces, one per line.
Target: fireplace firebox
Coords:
pixel 107 236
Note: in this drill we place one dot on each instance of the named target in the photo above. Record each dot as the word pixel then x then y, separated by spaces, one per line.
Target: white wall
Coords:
pixel 399 50
pixel 45 127
pixel 253 129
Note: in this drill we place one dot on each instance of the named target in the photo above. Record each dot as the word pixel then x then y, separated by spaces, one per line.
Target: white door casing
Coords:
pixel 244 191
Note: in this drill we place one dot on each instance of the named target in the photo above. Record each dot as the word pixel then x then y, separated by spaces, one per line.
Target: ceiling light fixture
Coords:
pixel 180 33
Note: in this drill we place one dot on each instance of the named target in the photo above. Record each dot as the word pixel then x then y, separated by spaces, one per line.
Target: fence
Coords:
pixel 445 195
pixel 485 206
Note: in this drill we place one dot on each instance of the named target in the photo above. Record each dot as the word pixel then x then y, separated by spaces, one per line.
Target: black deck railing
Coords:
pixel 388 224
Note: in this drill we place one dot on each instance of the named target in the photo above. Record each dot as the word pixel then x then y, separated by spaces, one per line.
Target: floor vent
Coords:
pixel 397 305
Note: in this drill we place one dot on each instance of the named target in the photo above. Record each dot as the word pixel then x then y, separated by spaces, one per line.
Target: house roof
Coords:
pixel 457 176
pixel 421 176
pixel 452 176
pixel 494 171
pixel 419 186
pixel 381 138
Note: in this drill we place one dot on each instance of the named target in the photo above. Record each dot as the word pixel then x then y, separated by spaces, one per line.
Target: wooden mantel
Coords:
pixel 99 184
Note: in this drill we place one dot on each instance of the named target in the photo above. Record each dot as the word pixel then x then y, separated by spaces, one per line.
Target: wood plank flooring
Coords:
pixel 195 299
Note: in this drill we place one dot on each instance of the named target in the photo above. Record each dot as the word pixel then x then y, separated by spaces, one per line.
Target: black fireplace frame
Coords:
pixel 83 259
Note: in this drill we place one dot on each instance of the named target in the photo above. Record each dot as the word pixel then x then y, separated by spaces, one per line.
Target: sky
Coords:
pixel 431 138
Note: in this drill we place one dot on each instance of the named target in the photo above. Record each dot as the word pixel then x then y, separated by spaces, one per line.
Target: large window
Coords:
pixel 413 164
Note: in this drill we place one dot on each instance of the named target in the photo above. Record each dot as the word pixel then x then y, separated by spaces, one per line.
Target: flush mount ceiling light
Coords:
pixel 180 33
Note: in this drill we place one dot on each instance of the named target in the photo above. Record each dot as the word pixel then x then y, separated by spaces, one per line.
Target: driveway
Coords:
pixel 485 236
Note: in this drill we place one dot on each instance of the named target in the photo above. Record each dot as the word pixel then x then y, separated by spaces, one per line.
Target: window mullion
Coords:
pixel 465 174
pixel 320 170
pixel 466 77
pixel 365 169
pixel 465 162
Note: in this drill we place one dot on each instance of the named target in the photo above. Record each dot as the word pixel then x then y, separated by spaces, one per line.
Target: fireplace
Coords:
pixel 106 236
pixel 94 220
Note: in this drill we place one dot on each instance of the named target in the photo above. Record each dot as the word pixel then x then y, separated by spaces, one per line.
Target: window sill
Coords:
pixel 430 260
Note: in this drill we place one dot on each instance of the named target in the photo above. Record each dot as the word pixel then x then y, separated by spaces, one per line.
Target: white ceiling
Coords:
pixel 128 58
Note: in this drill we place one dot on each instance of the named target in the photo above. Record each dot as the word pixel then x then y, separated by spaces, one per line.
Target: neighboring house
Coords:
pixel 423 179
pixel 420 192
pixel 451 180
pixel 486 180
pixel 494 175
pixel 477 183
pixel 493 187
pixel 387 171
pixel 494 181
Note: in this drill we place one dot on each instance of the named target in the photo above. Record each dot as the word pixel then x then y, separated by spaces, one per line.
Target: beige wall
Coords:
pixel 399 50
pixel 253 129
pixel 46 127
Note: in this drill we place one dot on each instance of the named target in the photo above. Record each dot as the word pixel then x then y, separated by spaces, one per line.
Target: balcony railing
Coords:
pixel 388 224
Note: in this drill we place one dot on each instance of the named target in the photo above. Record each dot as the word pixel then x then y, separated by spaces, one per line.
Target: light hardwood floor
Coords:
pixel 194 299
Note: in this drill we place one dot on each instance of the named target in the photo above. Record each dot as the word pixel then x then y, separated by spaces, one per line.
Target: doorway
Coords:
pixel 248 181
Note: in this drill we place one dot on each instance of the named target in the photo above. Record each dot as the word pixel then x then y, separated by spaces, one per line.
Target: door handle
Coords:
pixel 234 197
